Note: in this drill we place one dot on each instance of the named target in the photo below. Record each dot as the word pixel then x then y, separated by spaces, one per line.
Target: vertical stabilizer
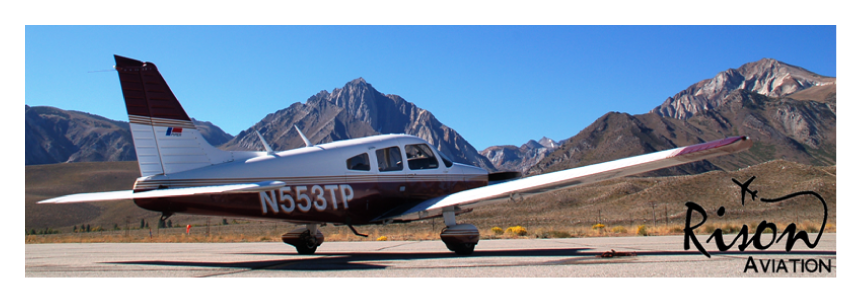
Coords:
pixel 165 139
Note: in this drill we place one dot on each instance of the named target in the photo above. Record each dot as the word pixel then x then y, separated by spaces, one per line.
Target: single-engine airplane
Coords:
pixel 373 180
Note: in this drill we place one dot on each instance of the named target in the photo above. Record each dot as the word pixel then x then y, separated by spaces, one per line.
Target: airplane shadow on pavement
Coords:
pixel 365 260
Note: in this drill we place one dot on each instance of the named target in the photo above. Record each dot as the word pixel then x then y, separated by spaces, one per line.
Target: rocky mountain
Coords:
pixel 212 133
pixel 789 112
pixel 766 77
pixel 53 135
pixel 771 85
pixel 549 143
pixel 798 126
pixel 355 110
pixel 520 159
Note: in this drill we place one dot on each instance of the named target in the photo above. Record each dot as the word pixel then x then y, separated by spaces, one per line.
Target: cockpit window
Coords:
pixel 420 156
pixel 360 162
pixel 389 159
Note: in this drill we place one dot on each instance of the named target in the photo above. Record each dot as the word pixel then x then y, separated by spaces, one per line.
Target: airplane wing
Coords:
pixel 517 190
pixel 159 193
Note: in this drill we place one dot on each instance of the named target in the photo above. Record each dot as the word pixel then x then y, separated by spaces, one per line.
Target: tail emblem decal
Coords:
pixel 174 132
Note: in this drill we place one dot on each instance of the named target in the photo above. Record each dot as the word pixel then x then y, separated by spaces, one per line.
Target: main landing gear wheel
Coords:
pixel 461 238
pixel 307 244
pixel 305 239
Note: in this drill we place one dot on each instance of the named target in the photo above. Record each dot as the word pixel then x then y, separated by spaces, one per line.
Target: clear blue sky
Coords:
pixel 431 297
pixel 495 85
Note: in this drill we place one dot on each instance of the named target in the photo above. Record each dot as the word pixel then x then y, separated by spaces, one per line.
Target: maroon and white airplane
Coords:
pixel 374 180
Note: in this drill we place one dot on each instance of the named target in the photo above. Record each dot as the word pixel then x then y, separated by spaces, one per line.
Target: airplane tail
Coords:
pixel 165 139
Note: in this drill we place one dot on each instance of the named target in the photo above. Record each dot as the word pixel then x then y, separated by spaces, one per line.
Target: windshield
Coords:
pixel 446 160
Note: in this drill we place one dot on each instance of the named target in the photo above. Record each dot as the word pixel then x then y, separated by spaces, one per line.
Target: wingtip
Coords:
pixel 746 143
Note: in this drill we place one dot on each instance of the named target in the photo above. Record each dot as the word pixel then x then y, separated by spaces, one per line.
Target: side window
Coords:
pixel 360 162
pixel 389 159
pixel 420 156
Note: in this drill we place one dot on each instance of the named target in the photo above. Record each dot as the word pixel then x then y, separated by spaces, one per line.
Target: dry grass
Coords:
pixel 269 232
pixel 659 201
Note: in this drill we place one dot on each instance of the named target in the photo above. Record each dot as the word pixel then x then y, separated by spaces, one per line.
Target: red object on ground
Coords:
pixel 187 228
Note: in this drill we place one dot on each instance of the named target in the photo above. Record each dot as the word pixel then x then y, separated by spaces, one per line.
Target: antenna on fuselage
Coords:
pixel 265 144
pixel 307 142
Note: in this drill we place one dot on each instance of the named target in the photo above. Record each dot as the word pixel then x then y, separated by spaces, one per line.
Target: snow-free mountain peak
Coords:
pixel 767 77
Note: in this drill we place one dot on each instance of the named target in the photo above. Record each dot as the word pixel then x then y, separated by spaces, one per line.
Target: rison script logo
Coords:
pixel 789 236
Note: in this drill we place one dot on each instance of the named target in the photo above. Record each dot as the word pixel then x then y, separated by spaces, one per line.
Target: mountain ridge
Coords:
pixel 802 131
pixel 767 77
pixel 352 111
pixel 770 97
pixel 54 135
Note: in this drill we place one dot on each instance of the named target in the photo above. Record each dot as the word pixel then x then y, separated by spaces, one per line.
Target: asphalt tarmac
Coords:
pixel 572 257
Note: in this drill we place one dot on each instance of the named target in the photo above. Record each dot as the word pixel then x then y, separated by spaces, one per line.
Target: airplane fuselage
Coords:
pixel 348 182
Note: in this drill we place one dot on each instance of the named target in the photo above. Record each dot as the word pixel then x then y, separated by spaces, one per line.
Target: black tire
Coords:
pixel 308 244
pixel 305 250
pixel 463 249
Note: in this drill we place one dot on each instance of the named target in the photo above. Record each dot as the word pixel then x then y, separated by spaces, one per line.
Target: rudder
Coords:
pixel 165 139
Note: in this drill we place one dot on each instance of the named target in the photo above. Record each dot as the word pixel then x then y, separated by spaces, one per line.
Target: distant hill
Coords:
pixel 52 180
pixel 519 159
pixel 353 111
pixel 766 77
pixel 789 112
pixel 54 135
pixel 799 126
pixel 211 132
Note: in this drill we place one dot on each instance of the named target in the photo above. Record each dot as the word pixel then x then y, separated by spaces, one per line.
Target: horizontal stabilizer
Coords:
pixel 161 193
pixel 91 197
